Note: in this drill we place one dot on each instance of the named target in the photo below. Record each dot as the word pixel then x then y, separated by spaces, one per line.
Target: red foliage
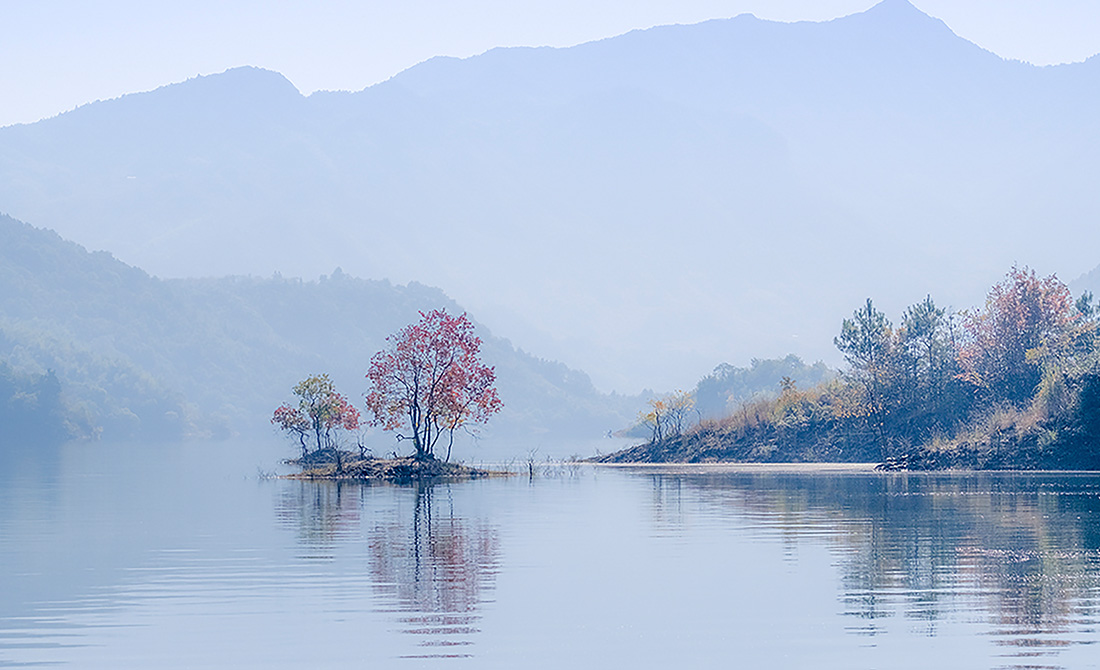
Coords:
pixel 1021 313
pixel 290 419
pixel 342 414
pixel 431 381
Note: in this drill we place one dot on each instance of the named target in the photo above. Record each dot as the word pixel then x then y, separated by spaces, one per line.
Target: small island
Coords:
pixel 399 470
pixel 430 381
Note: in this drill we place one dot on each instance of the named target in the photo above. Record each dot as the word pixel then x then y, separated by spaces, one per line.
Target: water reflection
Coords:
pixel 105 566
pixel 432 566
pixel 321 513
pixel 1020 551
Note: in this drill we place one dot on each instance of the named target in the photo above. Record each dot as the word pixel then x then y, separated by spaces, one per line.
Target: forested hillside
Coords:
pixel 140 356
pixel 729 386
pixel 32 412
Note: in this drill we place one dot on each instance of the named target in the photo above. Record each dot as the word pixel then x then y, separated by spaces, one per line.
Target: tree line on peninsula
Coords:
pixel 1013 384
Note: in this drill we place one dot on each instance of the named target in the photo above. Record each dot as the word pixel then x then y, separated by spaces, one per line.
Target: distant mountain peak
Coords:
pixel 898 12
pixel 245 79
pixel 224 93
pixel 895 7
pixel 898 25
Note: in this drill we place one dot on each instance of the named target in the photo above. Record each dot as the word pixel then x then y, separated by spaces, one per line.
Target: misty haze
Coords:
pixel 741 341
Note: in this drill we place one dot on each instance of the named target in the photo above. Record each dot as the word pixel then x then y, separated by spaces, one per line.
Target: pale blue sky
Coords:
pixel 58 54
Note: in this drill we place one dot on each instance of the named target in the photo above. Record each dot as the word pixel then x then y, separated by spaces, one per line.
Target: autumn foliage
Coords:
pixel 668 415
pixel 1022 314
pixel 430 382
pixel 319 417
pixel 1014 384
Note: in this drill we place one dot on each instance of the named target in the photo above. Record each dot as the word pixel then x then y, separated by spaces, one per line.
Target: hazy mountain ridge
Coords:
pixel 696 191
pixel 147 357
pixel 1087 282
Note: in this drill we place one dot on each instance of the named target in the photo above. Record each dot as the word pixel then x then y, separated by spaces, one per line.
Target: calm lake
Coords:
pixel 184 557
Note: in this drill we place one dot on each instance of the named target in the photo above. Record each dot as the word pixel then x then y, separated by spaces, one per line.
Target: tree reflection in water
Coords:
pixel 321 513
pixel 434 565
pixel 437 566
pixel 1020 550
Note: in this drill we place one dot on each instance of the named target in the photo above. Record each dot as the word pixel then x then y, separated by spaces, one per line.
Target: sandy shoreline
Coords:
pixel 712 468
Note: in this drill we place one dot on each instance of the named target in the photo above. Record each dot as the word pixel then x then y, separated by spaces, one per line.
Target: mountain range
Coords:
pixel 640 207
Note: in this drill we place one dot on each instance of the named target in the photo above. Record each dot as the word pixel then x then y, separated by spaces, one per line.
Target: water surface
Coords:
pixel 129 556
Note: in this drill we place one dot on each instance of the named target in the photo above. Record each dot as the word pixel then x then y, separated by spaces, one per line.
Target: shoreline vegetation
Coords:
pixel 1014 385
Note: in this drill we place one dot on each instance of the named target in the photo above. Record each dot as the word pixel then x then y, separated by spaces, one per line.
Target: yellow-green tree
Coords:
pixel 320 414
pixel 668 415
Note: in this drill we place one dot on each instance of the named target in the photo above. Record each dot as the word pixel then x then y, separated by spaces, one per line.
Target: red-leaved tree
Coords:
pixel 431 382
pixel 1022 313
